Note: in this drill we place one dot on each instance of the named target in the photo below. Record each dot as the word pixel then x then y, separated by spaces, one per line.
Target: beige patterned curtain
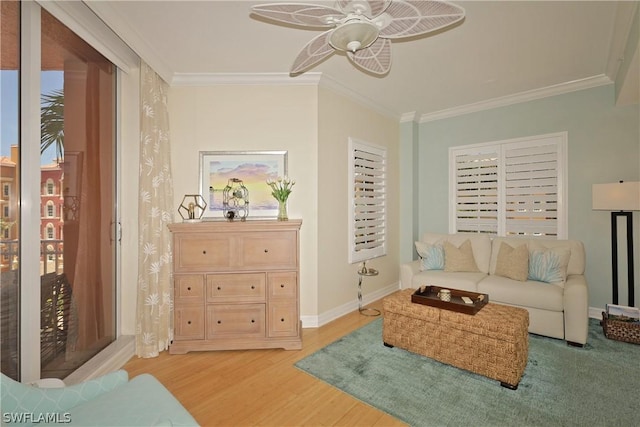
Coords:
pixel 154 317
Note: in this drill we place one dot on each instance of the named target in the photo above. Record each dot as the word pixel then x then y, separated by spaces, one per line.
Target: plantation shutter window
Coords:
pixel 476 181
pixel 510 188
pixel 531 189
pixel 367 193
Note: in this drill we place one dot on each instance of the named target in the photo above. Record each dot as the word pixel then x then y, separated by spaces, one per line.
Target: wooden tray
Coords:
pixel 428 295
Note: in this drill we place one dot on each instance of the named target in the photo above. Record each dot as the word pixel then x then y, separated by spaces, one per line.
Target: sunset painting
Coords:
pixel 253 168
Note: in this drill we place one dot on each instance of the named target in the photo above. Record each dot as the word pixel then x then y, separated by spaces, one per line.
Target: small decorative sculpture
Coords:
pixel 235 200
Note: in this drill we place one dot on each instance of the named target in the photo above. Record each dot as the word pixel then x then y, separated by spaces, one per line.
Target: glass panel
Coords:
pixel 77 201
pixel 9 182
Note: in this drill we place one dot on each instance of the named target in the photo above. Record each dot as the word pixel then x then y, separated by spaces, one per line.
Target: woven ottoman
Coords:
pixel 494 342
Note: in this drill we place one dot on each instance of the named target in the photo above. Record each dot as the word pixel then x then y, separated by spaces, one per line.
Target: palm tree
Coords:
pixel 52 122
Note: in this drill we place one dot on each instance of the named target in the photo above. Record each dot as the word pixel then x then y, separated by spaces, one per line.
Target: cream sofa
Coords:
pixel 557 310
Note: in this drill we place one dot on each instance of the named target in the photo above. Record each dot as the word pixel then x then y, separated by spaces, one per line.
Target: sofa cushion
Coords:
pixel 431 256
pixel 459 258
pixel 523 294
pixel 513 262
pixel 480 243
pixel 576 248
pixel 548 265
pixel 466 281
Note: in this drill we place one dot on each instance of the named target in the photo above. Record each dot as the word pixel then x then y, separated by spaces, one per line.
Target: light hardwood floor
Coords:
pixel 262 387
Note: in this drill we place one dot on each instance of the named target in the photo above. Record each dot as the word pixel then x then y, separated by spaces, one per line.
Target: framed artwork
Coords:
pixel 252 167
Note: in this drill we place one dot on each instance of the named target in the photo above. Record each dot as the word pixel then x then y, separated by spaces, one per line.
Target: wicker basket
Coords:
pixel 620 331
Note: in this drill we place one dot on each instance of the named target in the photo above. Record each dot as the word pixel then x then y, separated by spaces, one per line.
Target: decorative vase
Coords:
pixel 282 210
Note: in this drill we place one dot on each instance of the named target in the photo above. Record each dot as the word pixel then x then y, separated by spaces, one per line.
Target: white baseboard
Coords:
pixel 112 358
pixel 595 312
pixel 333 314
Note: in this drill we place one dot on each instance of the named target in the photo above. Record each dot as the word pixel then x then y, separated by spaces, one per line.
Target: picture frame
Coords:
pixel 252 167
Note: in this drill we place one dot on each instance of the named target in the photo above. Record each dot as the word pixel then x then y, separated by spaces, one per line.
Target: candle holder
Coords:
pixel 192 207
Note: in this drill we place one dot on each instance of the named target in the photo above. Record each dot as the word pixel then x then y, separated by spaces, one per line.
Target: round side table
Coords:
pixel 363 272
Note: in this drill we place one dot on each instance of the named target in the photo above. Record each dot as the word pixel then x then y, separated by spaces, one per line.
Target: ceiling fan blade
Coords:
pixel 307 15
pixel 410 18
pixel 375 58
pixel 312 53
pixel 368 8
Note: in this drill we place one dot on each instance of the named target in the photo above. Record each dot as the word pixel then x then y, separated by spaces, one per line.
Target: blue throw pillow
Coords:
pixel 548 266
pixel 432 256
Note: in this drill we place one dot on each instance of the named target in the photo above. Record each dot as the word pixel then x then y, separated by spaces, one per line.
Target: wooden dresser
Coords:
pixel 236 285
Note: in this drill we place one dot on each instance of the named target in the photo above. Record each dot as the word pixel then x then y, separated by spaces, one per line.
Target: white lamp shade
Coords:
pixel 353 36
pixel 618 196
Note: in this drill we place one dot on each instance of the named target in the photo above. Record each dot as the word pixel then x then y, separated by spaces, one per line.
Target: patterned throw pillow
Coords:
pixel 432 256
pixel 549 265
pixel 513 262
pixel 459 259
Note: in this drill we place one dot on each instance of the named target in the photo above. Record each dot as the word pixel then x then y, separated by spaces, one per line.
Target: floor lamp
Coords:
pixel 621 198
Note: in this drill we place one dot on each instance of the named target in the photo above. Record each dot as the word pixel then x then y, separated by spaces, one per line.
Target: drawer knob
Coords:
pixel 219 288
pixel 204 252
pixel 282 320
pixel 253 321
pixel 188 322
pixel 253 287
pixel 189 288
pixel 266 251
pixel 219 322
pixel 282 285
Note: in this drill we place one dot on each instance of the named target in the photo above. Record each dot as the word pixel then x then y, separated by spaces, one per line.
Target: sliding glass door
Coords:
pixel 10 187
pixel 76 201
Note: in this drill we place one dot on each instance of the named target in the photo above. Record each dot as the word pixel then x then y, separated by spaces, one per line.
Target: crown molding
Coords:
pixel 306 79
pixel 331 83
pixel 409 117
pixel 531 95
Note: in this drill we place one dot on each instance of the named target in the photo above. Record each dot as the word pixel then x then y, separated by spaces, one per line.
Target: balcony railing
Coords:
pixel 57 317
pixel 51 255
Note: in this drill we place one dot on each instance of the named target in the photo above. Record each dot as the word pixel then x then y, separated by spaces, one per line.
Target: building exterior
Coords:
pixel 51 214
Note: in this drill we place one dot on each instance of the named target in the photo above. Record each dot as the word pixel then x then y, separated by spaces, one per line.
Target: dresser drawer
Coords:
pixel 269 250
pixel 189 322
pixel 283 319
pixel 282 285
pixel 188 288
pixel 236 320
pixel 237 287
pixel 202 252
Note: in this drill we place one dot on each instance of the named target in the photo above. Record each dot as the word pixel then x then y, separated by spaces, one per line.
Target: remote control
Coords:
pixel 467 300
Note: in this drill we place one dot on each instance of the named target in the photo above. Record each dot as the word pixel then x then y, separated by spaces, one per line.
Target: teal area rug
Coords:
pixel 598 385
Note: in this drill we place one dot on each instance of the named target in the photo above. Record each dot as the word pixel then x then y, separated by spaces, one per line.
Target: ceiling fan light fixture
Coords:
pixel 355 35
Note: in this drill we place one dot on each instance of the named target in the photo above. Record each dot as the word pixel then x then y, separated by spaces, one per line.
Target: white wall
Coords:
pixel 254 117
pixel 339 119
pixel 313 124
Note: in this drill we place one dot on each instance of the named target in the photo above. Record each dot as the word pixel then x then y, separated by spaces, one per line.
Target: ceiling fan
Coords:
pixel 361 28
